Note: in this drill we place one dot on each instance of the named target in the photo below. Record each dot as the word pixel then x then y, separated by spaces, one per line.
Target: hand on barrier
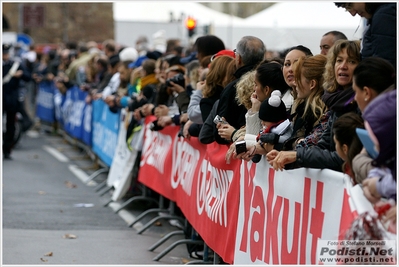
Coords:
pixel 161 110
pixel 370 189
pixel 88 99
pixel 225 130
pixel 109 100
pixel 147 109
pixel 97 96
pixel 271 155
pixel 280 159
pixel 389 219
pixel 248 155
pixel 183 118
pixel 165 121
pixel 232 149
pixel 185 129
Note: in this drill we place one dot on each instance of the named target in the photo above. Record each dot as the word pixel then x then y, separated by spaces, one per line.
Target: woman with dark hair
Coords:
pixel 371 77
pixel 208 45
pixel 268 77
pixel 290 58
pixel 347 143
pixel 380 37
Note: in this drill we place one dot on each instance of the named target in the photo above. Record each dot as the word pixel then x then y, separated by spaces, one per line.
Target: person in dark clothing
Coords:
pixel 380 36
pixel 249 53
pixel 207 45
pixel 216 79
pixel 372 77
pixel 214 83
pixel 339 98
pixel 13 73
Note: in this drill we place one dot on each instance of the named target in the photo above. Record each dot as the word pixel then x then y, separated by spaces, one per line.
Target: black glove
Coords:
pixel 256 158
pixel 270 138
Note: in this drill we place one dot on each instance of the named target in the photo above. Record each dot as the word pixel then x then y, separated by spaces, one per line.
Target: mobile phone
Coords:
pixel 241 147
pixel 367 142
pixel 218 119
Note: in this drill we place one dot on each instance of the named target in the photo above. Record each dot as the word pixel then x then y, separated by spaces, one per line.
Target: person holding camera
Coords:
pixel 174 109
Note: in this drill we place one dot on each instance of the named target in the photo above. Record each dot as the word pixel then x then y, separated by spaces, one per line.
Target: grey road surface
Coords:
pixel 40 196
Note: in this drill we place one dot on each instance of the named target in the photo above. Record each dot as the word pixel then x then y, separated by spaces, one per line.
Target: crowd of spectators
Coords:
pixel 296 110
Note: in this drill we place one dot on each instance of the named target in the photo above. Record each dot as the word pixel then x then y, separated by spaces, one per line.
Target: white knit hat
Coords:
pixel 159 41
pixel 128 53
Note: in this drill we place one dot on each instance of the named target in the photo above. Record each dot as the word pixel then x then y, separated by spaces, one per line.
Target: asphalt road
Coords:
pixel 41 205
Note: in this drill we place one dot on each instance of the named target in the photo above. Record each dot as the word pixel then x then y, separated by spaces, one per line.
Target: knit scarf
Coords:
pixel 149 79
pixel 268 129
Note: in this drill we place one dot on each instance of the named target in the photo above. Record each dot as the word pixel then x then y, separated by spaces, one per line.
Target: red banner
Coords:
pixel 198 179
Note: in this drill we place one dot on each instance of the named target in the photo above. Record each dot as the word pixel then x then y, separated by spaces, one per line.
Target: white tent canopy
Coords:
pixel 298 14
pixel 280 26
pixel 160 11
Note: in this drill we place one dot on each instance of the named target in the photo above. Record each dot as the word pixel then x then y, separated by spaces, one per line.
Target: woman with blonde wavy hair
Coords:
pixel 309 111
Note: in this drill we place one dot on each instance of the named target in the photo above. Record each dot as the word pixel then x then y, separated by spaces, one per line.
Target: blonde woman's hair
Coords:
pixel 312 68
pixel 353 50
pixel 216 75
pixel 245 88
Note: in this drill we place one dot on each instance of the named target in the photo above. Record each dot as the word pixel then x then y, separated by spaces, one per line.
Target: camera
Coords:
pixel 154 126
pixel 177 79
pixel 218 119
pixel 241 147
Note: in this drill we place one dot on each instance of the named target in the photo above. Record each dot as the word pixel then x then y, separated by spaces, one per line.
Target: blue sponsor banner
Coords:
pixel 87 124
pixel 74 108
pixel 59 100
pixel 45 109
pixel 105 130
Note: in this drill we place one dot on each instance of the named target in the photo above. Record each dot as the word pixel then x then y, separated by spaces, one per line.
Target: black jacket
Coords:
pixel 206 104
pixel 380 38
pixel 10 89
pixel 228 106
pixel 323 155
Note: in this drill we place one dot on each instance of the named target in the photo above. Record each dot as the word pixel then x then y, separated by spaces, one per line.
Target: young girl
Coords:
pixel 380 123
pixel 347 143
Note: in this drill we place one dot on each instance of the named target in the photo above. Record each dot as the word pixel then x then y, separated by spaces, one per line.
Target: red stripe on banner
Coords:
pixel 197 178
pixel 347 216
pixel 156 159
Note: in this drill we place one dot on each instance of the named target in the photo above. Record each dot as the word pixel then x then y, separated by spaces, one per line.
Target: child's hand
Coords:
pixel 370 189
